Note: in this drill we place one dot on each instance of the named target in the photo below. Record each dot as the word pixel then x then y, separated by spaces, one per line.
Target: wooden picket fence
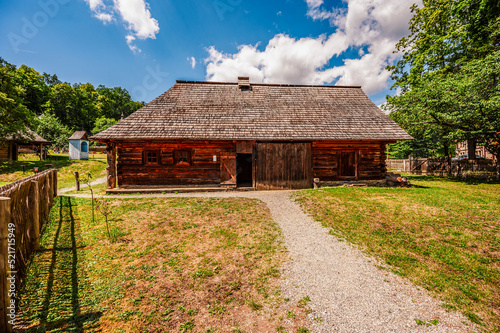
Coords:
pixel 439 166
pixel 24 208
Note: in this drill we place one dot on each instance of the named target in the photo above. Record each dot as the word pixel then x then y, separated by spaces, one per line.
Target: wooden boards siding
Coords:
pixel 330 156
pixel 203 169
pixel 278 165
pixel 283 165
pixel 4 152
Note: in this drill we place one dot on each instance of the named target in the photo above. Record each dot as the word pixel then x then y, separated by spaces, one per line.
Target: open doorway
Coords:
pixel 244 170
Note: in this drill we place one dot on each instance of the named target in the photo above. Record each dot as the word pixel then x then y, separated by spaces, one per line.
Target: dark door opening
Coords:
pixel 244 170
pixel 348 164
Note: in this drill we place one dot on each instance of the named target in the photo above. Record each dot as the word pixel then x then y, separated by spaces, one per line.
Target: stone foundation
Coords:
pixel 360 183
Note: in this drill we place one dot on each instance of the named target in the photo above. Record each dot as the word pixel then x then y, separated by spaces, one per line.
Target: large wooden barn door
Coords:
pixel 283 165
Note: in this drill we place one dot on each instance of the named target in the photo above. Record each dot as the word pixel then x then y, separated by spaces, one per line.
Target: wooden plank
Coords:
pixel 5 210
pixel 111 168
pixel 34 204
pixel 283 165
pixel 228 169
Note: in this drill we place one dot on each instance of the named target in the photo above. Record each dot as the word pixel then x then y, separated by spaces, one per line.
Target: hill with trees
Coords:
pixel 56 109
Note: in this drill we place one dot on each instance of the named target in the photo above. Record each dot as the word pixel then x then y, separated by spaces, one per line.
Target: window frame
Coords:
pixel 145 157
pixel 182 163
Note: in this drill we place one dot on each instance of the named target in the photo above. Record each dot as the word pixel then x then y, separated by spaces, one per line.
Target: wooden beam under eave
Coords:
pixel 111 168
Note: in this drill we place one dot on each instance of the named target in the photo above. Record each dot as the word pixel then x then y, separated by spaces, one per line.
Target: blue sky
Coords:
pixel 145 45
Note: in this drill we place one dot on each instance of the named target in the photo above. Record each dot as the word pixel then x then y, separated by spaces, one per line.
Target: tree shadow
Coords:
pixel 60 308
pixel 57 162
pixel 462 180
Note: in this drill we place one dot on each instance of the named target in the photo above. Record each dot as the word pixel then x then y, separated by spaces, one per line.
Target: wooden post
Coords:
pixel 34 204
pixel 55 183
pixel 409 163
pixel 77 181
pixel 41 152
pixel 4 267
pixel 111 168
pixel 50 193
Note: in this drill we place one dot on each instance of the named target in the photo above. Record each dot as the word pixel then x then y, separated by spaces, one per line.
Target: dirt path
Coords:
pixel 95 182
pixel 348 292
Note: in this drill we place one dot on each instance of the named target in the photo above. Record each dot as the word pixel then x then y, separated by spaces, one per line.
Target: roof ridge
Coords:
pixel 268 84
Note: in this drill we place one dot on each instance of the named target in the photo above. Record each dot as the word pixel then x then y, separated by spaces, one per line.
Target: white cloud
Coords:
pixel 130 42
pixel 104 17
pixel 373 26
pixel 134 13
pixel 138 17
pixel 94 4
pixel 317 13
pixel 192 61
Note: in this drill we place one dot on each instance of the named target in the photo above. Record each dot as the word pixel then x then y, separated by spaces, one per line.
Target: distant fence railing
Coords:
pixel 440 166
pixel 399 165
pixel 24 208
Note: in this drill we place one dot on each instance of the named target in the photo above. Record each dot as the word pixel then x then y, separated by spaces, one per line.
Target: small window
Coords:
pixel 151 157
pixel 182 157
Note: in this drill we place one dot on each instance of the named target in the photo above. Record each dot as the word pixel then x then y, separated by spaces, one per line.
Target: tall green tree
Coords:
pixel 51 128
pixel 448 43
pixel 15 117
pixel 103 123
pixel 36 91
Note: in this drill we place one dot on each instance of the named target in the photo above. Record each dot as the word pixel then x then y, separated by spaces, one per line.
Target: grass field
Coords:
pixel 12 170
pixel 443 235
pixel 171 265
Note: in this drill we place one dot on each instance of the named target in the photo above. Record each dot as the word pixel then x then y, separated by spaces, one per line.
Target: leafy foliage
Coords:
pixel 25 93
pixel 15 117
pixel 103 123
pixel 50 128
pixel 448 76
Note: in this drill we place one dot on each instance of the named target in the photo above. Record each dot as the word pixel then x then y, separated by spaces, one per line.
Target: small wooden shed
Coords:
pixel 9 149
pixel 265 136
pixel 79 146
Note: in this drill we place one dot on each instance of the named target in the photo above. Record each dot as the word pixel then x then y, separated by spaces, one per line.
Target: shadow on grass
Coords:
pixel 57 162
pixel 465 180
pixel 60 309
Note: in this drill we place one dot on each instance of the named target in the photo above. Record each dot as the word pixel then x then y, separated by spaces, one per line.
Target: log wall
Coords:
pixel 203 169
pixel 4 153
pixel 371 157
pixel 132 170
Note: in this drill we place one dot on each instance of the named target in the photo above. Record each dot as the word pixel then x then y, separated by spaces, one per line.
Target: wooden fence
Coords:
pixel 398 165
pixel 24 208
pixel 439 166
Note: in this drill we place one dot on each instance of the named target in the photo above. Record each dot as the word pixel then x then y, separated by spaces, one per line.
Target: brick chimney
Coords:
pixel 244 82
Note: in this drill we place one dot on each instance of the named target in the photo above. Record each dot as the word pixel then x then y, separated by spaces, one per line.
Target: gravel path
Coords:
pixel 95 182
pixel 347 291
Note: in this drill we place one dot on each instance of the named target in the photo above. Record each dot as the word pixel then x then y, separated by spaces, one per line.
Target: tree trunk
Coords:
pixel 448 157
pixel 498 166
pixel 471 149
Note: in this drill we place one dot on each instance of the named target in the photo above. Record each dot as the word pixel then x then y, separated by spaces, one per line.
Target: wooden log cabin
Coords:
pixel 266 136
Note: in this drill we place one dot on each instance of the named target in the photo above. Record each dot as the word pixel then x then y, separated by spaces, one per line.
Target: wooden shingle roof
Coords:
pixel 28 137
pixel 79 135
pixel 211 110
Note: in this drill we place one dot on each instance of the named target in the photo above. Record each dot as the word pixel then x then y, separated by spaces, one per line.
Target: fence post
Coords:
pixel 409 163
pixel 50 179
pixel 4 284
pixel 34 204
pixel 77 181
pixel 55 183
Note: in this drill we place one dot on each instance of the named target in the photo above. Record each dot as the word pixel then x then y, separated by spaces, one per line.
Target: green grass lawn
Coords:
pixel 12 170
pixel 442 234
pixel 171 265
